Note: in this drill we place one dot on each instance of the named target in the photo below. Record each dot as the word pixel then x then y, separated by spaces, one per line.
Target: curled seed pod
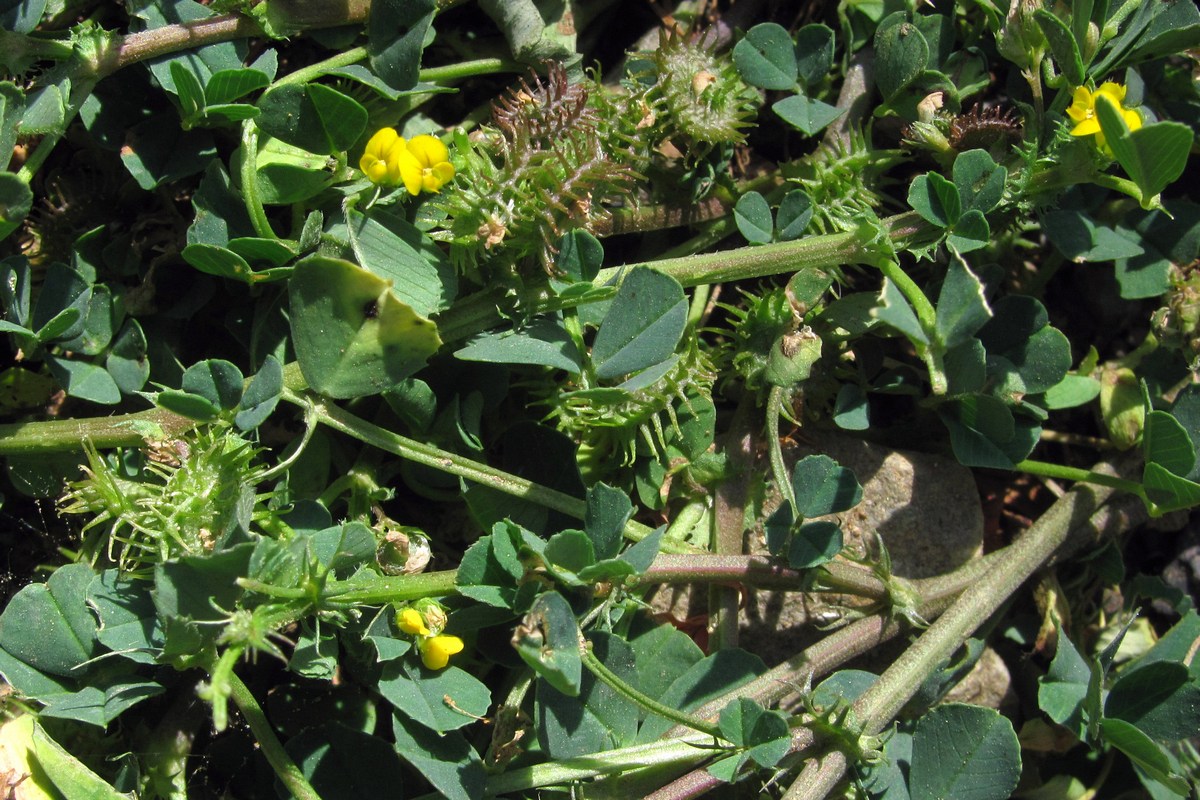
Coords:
pixel 609 421
pixel 984 128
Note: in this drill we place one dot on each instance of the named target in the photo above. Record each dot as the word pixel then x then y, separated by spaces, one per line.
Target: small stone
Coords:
pixel 924 507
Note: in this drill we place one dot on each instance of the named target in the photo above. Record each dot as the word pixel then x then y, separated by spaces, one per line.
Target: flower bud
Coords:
pixel 1121 406
pixel 1021 40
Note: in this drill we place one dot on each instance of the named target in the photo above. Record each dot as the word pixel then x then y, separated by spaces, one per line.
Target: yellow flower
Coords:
pixel 425 165
pixel 380 160
pixel 410 620
pixel 436 650
pixel 1083 111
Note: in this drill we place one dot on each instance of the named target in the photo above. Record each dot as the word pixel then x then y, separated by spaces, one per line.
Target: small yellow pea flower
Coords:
pixel 436 650
pixel 425 165
pixel 380 160
pixel 1083 111
pixel 410 621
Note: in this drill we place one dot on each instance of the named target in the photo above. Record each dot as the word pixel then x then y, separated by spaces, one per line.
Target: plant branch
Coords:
pixel 775 402
pixel 825 771
pixel 341 420
pixel 135 47
pixel 926 314
pixel 482 311
pixel 787 681
pixel 696 783
pixel 1050 470
pixel 249 174
pixel 690 748
pixel 121 430
pixel 729 520
pixel 287 771
pixel 656 217
pixel 614 682
pixel 899 682
pixel 382 589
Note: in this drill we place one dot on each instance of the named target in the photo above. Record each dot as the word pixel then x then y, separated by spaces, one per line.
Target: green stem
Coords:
pixel 314 71
pixel 482 311
pixel 698 305
pixel 58 435
pixel 813 252
pixel 249 175
pixel 782 482
pixel 272 590
pixel 383 589
pixel 683 750
pixel 469 69
pixel 614 682
pixel 287 771
pixel 931 353
pixel 687 519
pixel 1056 177
pixel 442 74
pixel 1061 472
pixel 39 155
pixel 19 47
pixel 926 314
pixel 418 452
pixel 1122 185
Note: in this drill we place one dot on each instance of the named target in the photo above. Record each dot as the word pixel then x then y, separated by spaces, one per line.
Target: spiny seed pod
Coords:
pixel 839 180
pixel 189 498
pixel 696 95
pixel 755 325
pixel 608 421
pixel 992 129
pixel 540 171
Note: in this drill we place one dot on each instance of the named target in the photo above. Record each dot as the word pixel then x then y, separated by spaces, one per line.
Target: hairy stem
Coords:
pixel 784 683
pixel 287 771
pixel 729 522
pixel 683 750
pixel 65 435
pixel 484 310
pixel 135 47
pixel 899 682
pixel 775 402
pixel 383 589
pixel 696 783
pixel 249 174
